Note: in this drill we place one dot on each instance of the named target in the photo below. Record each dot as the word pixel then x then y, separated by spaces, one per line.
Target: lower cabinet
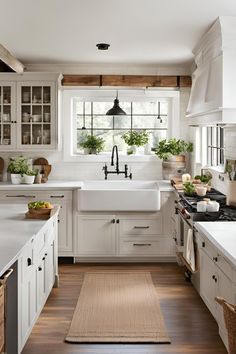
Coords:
pixel 216 279
pixel 122 235
pixel 37 269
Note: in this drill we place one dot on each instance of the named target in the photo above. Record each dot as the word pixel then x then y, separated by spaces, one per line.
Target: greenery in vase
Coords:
pixel 31 173
pixel 93 143
pixel 189 188
pixel 136 138
pixel 18 165
pixel 167 148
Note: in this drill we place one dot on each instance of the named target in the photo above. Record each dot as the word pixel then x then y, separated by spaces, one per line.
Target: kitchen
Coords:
pixel 90 128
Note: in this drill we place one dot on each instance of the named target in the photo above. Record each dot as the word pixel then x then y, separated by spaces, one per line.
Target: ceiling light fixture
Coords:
pixel 116 110
pixel 103 46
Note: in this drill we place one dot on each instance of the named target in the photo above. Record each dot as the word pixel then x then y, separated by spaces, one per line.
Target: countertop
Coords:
pixel 222 234
pixel 15 233
pixel 164 186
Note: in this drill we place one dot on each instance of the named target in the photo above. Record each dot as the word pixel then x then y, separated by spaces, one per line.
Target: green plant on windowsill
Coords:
pixel 172 147
pixel 92 144
pixel 135 139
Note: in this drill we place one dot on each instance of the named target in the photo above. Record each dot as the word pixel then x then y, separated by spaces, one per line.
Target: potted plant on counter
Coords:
pixel 17 167
pixel 29 177
pixel 173 153
pixel 92 144
pixel 135 139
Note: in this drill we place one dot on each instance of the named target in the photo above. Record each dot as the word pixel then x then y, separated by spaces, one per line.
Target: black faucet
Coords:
pixel 117 170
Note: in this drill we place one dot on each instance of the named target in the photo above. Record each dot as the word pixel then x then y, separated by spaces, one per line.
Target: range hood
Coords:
pixel 213 94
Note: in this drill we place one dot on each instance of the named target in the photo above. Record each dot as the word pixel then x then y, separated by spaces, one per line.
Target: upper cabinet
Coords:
pixel 28 111
pixel 212 98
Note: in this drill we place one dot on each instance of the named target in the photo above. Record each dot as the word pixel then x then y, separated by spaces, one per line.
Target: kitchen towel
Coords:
pixel 190 253
pixel 118 307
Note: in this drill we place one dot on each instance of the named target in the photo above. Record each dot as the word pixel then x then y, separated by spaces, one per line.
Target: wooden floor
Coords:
pixel 189 323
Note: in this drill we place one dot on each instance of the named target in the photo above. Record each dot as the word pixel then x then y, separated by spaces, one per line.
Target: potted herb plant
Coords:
pixel 173 153
pixel 17 168
pixel 29 176
pixel 92 144
pixel 135 139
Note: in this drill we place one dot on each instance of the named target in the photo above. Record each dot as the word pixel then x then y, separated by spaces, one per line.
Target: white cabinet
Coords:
pixel 37 271
pixel 28 111
pixel 123 235
pixel 96 235
pixel 62 198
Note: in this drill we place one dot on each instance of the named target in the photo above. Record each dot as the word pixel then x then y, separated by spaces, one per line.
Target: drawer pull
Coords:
pixel 142 244
pixel 141 227
pixel 57 196
pixel 20 196
pixel 113 221
pixel 215 259
pixel 203 244
pixel 29 261
pixel 40 269
pixel 43 259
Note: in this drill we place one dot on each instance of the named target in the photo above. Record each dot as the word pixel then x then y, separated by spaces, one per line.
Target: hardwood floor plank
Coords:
pixel 190 325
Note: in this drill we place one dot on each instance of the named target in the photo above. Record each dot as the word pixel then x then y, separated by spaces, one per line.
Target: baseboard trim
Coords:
pixel 83 259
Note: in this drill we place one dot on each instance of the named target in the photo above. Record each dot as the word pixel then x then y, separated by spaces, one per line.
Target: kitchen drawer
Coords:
pixel 39 242
pixel 25 196
pixel 225 266
pixel 141 227
pixel 161 247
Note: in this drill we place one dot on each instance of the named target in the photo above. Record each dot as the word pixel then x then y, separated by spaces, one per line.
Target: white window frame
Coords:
pixel 69 131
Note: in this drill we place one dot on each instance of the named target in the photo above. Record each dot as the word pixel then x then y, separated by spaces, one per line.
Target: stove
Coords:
pixel 187 206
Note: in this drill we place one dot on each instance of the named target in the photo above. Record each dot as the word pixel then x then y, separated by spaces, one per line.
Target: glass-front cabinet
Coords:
pixel 28 112
pixel 37 114
pixel 7 114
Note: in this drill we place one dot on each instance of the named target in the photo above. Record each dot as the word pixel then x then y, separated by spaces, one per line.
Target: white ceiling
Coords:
pixel 141 32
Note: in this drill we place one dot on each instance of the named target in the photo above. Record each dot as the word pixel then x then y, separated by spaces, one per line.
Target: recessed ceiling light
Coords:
pixel 102 46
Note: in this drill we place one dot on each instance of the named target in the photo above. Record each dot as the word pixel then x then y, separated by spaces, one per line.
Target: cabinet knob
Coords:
pixel 203 244
pixel 215 259
pixel 118 221
pixel 40 269
pixel 113 221
pixel 43 259
pixel 213 277
pixel 29 261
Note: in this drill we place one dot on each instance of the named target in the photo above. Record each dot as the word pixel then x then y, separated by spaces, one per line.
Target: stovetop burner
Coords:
pixel 226 213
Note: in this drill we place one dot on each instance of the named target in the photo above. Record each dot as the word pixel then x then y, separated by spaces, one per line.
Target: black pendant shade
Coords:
pixel 116 110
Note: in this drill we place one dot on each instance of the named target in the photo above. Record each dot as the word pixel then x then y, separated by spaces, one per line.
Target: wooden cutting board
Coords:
pixel 1 168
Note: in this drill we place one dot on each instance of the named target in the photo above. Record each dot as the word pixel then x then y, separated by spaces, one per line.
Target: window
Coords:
pixel 90 118
pixel 215 146
pixel 84 112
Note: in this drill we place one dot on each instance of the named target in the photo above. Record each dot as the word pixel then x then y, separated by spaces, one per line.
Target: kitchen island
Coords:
pixel 30 247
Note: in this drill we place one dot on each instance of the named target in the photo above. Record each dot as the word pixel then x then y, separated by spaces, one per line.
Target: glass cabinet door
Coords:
pixel 36 109
pixel 6 123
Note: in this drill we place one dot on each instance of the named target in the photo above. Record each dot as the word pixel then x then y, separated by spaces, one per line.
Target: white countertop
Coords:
pixel 164 186
pixel 15 233
pixel 222 234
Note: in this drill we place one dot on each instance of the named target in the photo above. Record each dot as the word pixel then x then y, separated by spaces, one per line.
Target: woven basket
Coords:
pixel 230 322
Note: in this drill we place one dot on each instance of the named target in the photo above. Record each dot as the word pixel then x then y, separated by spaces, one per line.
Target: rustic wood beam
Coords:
pixel 127 80
pixel 81 80
pixel 10 60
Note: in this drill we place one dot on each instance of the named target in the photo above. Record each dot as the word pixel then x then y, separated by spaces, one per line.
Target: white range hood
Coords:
pixel 213 94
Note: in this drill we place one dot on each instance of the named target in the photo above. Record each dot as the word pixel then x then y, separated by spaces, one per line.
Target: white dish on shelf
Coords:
pixel 37 118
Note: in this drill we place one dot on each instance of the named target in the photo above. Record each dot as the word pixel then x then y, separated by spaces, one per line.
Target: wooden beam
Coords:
pixel 81 80
pixel 10 60
pixel 127 80
pixel 185 81
pixel 139 81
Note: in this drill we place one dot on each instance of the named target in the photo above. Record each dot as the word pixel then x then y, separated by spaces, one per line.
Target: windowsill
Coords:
pixel 219 168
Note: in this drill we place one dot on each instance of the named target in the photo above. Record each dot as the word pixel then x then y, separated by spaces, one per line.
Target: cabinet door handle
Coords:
pixel 118 221
pixel 20 196
pixel 57 196
pixel 29 261
pixel 213 277
pixel 215 259
pixel 203 244
pixel 40 269
pixel 113 221
pixel 141 227
pixel 142 244
pixel 43 259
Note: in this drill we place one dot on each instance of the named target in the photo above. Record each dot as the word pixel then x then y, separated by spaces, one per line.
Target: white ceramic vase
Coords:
pixel 16 178
pixel 28 179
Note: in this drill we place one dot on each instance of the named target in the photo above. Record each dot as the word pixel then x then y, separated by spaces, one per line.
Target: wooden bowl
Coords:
pixel 40 211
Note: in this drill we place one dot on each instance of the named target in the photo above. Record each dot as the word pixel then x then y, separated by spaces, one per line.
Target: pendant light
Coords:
pixel 116 110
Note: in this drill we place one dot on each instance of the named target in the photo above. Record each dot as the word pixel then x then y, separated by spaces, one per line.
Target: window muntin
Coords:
pixel 215 146
pixel 90 118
